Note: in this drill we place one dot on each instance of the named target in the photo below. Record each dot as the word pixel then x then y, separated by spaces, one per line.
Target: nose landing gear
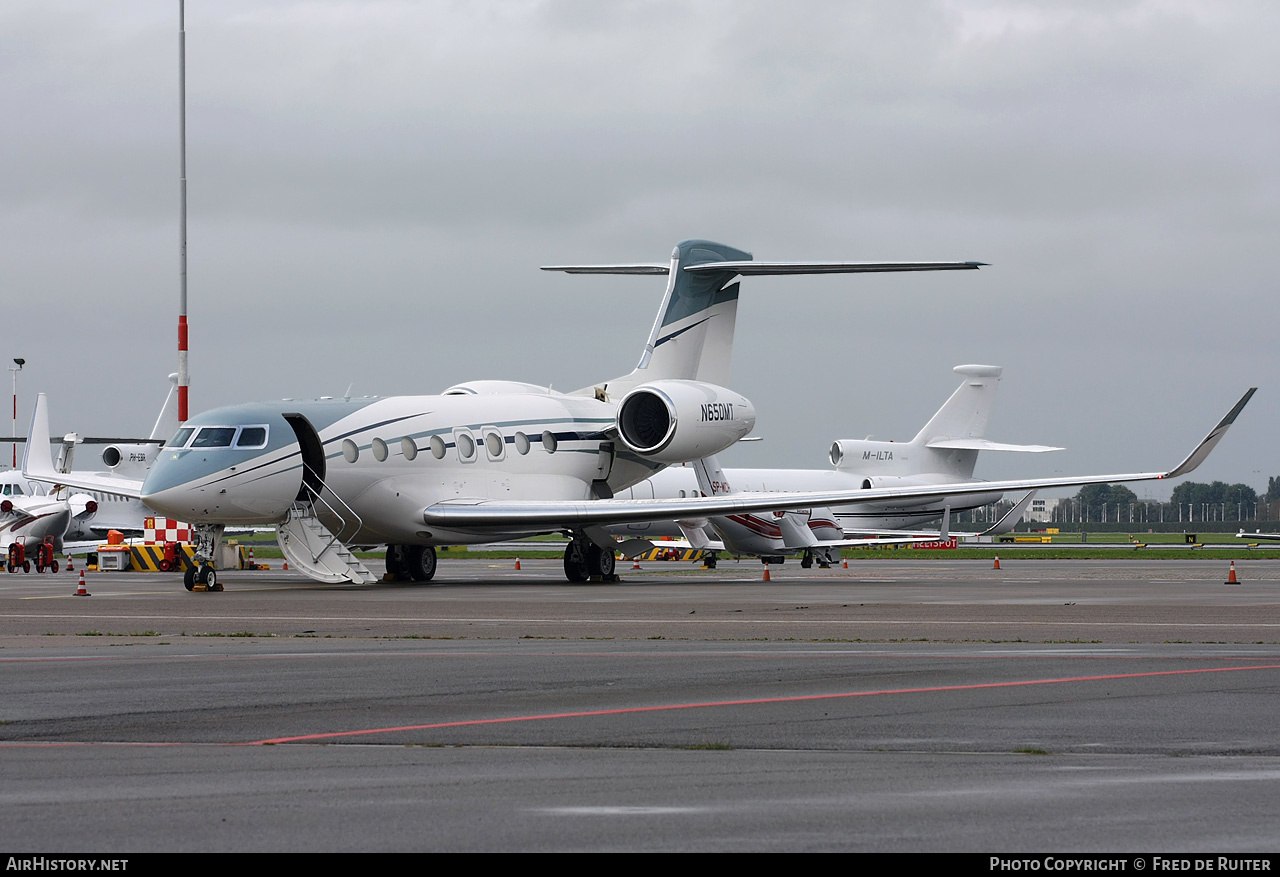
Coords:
pixel 203 577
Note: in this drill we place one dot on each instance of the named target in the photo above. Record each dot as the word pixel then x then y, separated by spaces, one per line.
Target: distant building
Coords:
pixel 1041 510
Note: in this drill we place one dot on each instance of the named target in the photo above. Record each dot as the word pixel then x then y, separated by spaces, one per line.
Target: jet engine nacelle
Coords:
pixel 965 501
pixel 678 421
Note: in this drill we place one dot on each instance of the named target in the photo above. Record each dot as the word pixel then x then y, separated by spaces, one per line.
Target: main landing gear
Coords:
pixel 414 563
pixel 584 560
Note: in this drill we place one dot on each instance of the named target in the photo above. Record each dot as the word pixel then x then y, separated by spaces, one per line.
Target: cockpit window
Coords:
pixel 180 437
pixel 252 437
pixel 214 437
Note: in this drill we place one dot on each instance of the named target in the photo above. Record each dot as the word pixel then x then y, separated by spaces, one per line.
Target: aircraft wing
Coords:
pixel 1258 537
pixel 37 462
pixel 491 514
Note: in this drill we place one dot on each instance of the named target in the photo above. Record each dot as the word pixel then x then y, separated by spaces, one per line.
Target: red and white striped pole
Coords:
pixel 183 376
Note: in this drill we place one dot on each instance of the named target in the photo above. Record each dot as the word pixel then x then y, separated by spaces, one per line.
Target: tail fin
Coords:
pixel 948 444
pixel 965 414
pixel 692 337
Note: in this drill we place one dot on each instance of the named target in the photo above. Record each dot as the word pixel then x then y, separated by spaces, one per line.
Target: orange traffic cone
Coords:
pixel 81 591
pixel 635 564
pixel 70 563
pixel 517 563
pixel 997 566
pixel 1231 576
pixel 286 565
pixel 845 565
pixel 253 564
pixel 766 574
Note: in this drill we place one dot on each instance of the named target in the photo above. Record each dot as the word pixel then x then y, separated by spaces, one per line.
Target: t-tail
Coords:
pixel 692 336
pixel 948 445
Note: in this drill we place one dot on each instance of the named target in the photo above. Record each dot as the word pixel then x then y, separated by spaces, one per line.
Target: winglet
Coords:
pixel 1196 457
pixel 37 457
pixel 1010 518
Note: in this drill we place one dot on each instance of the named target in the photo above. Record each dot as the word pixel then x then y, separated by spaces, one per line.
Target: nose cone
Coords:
pixel 165 491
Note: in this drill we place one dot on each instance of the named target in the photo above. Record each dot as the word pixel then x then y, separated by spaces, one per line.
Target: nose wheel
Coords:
pixel 204 578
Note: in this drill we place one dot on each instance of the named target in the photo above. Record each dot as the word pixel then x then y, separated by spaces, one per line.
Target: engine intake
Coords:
pixel 678 421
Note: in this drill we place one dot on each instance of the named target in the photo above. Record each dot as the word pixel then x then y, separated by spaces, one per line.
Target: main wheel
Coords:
pixel 211 579
pixel 600 562
pixel 395 564
pixel 421 562
pixel 576 569
pixel 189 578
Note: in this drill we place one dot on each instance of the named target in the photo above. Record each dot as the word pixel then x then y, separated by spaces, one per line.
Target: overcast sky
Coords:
pixel 373 185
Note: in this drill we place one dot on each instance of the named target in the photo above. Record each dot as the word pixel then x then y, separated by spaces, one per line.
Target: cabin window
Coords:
pixel 214 437
pixel 180 437
pixel 494 444
pixel 252 437
pixel 379 450
pixel 466 446
pixel 350 451
pixel 437 447
pixel 408 447
pixel 522 443
pixel 549 441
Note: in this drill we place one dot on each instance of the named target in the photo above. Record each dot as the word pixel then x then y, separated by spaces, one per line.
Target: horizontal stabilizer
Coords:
pixel 975 444
pixel 609 269
pixel 757 269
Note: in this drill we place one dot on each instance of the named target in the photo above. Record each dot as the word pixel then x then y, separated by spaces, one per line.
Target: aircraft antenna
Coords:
pixel 184 378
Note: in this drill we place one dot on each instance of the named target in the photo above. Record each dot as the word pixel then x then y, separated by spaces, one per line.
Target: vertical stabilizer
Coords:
pixel 692 336
pixel 947 448
pixel 965 414
pixel 962 420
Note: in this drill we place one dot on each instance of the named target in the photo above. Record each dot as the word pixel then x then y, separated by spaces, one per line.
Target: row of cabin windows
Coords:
pixel 464 443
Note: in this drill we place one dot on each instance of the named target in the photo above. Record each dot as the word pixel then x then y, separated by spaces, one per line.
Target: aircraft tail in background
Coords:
pixel 948 445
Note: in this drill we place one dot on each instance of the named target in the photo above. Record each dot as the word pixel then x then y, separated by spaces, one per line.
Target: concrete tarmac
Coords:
pixel 1051 706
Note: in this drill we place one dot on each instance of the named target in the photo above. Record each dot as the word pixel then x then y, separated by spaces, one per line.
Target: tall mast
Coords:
pixel 183 376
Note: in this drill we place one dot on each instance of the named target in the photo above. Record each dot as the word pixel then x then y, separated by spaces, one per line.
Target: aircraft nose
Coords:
pixel 160 494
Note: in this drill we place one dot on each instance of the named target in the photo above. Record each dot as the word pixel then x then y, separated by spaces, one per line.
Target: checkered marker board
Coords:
pixel 161 530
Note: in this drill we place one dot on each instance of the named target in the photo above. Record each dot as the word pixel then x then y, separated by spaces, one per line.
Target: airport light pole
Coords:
pixel 15 368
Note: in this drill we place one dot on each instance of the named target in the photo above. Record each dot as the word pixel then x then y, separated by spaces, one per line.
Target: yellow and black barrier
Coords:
pixel 672 554
pixel 147 558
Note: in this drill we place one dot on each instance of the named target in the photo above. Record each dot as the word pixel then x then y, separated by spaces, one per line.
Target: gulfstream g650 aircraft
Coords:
pixel 491 460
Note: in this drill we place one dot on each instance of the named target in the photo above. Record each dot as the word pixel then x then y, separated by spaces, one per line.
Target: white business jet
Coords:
pixel 34 523
pixel 945 451
pixel 493 460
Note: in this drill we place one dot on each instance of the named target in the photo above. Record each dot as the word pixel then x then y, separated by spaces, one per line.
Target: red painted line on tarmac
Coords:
pixel 748 702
